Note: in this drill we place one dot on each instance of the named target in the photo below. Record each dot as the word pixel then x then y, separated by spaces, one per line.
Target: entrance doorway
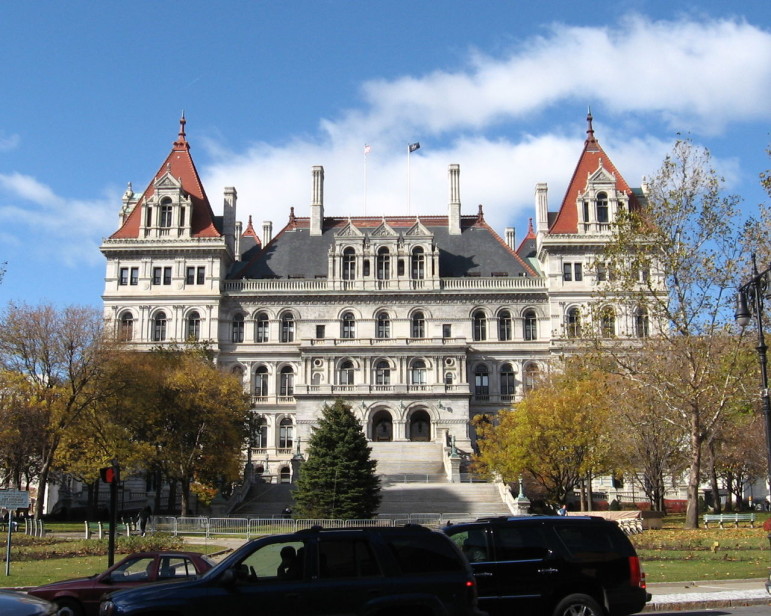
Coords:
pixel 420 426
pixel 382 426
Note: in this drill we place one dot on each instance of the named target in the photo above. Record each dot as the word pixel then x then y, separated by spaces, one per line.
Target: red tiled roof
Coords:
pixel 592 156
pixel 179 164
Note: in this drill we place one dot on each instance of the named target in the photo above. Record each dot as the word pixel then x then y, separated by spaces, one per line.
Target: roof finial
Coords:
pixel 589 130
pixel 181 142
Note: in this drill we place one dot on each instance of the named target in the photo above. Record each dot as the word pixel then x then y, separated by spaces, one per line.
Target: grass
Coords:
pixel 673 554
pixel 668 555
pixel 36 561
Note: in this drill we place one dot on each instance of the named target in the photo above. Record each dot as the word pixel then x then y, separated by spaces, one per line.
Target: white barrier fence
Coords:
pixel 255 527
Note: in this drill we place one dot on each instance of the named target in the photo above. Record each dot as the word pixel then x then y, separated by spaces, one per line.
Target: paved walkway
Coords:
pixel 678 596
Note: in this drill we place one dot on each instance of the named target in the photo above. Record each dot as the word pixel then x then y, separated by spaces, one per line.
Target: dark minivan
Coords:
pixel 377 571
pixel 552 565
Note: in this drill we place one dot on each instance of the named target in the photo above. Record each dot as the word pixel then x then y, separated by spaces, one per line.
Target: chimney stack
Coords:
pixel 267 232
pixel 511 238
pixel 453 217
pixel 317 201
pixel 542 207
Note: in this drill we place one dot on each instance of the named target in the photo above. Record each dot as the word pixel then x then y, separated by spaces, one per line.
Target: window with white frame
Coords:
pixel 507 381
pixel 345 373
pixel 286 383
pixel 383 265
pixel 382 373
pixel 261 328
pixel 504 325
pixel 418 263
pixel 237 328
pixel 126 327
pixel 481 382
pixel 159 327
pixel 286 433
pixel 261 382
pixel 349 264
pixel 418 325
pixel 382 325
pixel 480 325
pixel 530 325
pixel 193 326
pixel 348 326
pixel 287 327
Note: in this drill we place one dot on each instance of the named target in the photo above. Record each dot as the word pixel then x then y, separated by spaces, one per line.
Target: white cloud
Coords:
pixel 8 142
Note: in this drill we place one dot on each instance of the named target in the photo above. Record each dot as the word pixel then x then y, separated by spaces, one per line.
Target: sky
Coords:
pixel 92 94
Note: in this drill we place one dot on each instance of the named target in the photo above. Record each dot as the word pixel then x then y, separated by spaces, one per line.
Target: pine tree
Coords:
pixel 338 479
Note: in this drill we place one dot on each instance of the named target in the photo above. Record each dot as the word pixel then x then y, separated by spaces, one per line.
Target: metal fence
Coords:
pixel 255 527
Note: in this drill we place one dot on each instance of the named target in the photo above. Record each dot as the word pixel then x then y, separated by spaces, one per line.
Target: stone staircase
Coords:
pixel 413 481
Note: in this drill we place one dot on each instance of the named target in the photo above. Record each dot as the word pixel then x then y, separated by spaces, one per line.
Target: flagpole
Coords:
pixel 366 151
pixel 409 191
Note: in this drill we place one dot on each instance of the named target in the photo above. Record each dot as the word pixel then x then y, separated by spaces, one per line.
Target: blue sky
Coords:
pixel 92 95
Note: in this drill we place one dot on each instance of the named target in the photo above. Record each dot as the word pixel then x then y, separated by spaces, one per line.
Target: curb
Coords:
pixel 680 606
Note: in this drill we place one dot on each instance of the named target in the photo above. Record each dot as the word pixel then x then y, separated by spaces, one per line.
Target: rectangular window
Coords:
pixel 602 272
pixel 189 275
pixel 166 275
pixel 567 272
pixel 123 278
pixel 200 275
pixel 578 272
pixel 134 276
pixel 446 330
pixel 319 332
pixel 157 271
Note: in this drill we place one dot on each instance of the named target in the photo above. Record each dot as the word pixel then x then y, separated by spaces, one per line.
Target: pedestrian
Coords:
pixel 144 515
pixel 563 510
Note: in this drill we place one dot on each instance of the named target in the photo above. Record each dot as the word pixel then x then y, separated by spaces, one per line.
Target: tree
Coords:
pixel 338 479
pixel 56 357
pixel 675 261
pixel 558 433
pixel 186 415
pixel 21 423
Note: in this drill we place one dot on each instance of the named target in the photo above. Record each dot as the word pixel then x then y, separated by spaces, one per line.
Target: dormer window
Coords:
pixel 349 264
pixel 383 264
pixel 164 216
pixel 418 264
pixel 602 208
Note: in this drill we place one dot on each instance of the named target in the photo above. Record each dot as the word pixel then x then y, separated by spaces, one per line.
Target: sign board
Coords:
pixel 14 499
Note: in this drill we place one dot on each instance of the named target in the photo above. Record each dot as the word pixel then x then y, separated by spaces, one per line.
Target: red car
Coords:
pixel 81 597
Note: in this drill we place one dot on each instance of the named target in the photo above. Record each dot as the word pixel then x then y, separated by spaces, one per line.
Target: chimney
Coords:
pixel 229 218
pixel 453 216
pixel 317 201
pixel 267 232
pixel 510 238
pixel 239 231
pixel 542 207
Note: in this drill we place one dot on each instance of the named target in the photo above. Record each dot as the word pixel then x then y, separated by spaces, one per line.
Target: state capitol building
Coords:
pixel 419 322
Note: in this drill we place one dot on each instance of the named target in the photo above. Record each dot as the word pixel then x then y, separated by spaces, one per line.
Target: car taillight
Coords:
pixel 636 573
pixel 471 589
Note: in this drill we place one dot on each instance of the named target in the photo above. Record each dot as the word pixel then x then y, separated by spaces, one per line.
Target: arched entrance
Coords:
pixel 420 426
pixel 382 426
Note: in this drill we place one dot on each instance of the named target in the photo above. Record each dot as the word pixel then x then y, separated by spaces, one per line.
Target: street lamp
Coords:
pixel 749 300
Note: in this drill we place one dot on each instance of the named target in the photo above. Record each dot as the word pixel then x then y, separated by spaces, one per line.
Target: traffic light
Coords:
pixel 109 474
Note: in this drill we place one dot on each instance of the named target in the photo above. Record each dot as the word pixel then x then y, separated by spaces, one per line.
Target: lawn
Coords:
pixel 674 555
pixel 36 561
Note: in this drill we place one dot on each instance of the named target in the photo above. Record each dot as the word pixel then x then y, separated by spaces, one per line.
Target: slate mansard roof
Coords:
pixel 295 253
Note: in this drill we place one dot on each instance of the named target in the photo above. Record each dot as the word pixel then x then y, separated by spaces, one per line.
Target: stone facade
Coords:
pixel 420 322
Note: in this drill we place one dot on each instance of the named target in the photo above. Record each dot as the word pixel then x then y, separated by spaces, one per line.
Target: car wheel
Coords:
pixel 68 607
pixel 578 605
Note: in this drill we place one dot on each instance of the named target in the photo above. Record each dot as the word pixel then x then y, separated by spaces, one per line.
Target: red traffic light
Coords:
pixel 109 474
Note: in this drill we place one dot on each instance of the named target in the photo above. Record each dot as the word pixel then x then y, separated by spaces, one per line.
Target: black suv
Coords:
pixel 552 565
pixel 376 571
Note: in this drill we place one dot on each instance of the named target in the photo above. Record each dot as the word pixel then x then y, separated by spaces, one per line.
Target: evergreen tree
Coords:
pixel 338 479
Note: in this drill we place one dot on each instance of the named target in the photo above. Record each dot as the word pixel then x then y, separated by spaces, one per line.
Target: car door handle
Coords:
pixel 548 570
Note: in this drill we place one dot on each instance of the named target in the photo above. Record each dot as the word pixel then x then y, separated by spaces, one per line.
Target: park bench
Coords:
pixel 736 518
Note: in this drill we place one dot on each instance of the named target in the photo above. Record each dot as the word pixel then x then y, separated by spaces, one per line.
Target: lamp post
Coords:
pixel 749 300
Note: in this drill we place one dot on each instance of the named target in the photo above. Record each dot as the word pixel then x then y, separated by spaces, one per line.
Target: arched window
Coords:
pixel 383 264
pixel 642 323
pixel 602 207
pixel 348 326
pixel 259 436
pixel 285 433
pixel 261 328
pixel 507 382
pixel 480 325
pixel 504 325
pixel 193 326
pixel 573 323
pixel 449 378
pixel 345 373
pixel 418 325
pixel 287 327
pixel 286 384
pixel 237 328
pixel 530 325
pixel 349 264
pixel 532 374
pixel 261 382
pixel 126 327
pixel 418 372
pixel 382 373
pixel 159 327
pixel 164 214
pixel 418 264
pixel 607 323
pixel 481 383
pixel 383 325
